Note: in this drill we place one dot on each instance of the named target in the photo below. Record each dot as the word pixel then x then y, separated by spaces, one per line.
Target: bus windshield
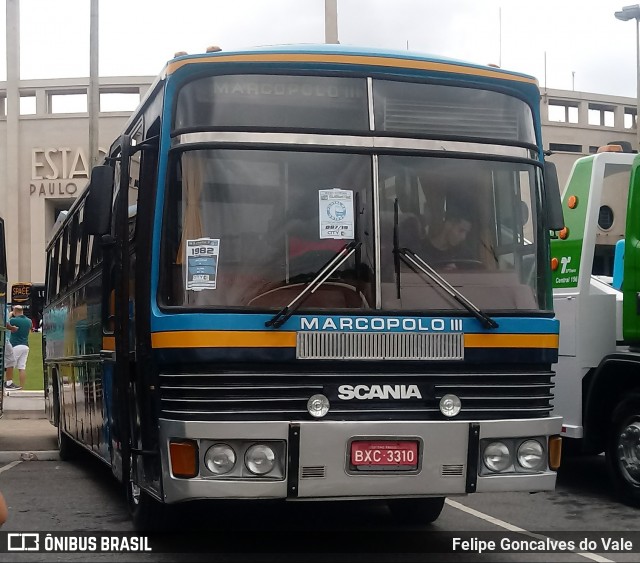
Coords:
pixel 266 217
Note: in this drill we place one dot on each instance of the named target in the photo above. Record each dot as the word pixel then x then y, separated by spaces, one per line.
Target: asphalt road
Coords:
pixel 48 496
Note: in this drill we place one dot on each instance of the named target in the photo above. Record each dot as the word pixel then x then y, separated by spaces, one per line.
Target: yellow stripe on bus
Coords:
pixel 349 59
pixel 268 339
pixel 223 339
pixel 511 340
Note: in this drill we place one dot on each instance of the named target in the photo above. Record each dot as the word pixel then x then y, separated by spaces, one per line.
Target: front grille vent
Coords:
pixel 452 470
pixel 379 346
pixel 275 394
pixel 313 472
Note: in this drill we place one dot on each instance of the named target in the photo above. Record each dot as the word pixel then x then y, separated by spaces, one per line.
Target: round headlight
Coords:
pixel 496 457
pixel 450 405
pixel 260 459
pixel 531 455
pixel 318 405
pixel 220 459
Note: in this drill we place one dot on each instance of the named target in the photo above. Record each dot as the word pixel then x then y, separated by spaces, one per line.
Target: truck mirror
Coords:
pixel 553 202
pixel 97 205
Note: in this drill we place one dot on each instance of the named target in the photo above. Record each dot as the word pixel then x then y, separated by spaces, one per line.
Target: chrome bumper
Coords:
pixel 317 466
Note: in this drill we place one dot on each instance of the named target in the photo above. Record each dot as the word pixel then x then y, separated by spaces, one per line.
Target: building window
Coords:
pixel 593 149
pixel 601 115
pixel 68 103
pixel 564 147
pixel 630 118
pixel 27 104
pixel 119 101
pixel 563 112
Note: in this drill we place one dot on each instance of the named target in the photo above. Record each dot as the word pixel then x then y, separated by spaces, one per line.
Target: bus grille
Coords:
pixel 379 346
pixel 275 395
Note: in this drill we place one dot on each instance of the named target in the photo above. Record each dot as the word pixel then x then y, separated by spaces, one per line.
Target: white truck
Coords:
pixel 597 300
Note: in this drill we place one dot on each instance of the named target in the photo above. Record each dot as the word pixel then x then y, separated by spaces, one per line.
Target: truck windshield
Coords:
pixel 248 229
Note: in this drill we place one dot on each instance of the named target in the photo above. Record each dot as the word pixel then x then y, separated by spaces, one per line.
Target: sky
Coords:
pixel 585 47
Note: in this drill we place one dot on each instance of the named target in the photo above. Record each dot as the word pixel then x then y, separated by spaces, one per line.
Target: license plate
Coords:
pixel 384 455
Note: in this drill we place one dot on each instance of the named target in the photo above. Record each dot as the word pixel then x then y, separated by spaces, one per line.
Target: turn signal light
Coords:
pixel 183 456
pixel 572 202
pixel 554 264
pixel 555 452
pixel 564 233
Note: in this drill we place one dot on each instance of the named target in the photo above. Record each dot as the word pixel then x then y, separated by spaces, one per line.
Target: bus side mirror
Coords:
pixel 553 202
pixel 97 206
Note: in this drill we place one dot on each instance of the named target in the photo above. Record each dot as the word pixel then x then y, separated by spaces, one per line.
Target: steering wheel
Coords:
pixel 308 263
pixel 459 263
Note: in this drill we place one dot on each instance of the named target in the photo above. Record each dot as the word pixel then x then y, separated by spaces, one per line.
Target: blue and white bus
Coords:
pixel 242 305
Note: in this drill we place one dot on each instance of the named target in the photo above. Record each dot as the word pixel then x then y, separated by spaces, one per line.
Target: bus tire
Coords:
pixel 67 448
pixel 623 450
pixel 416 511
pixel 147 513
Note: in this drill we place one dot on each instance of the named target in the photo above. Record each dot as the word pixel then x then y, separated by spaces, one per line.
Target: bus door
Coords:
pixel 118 311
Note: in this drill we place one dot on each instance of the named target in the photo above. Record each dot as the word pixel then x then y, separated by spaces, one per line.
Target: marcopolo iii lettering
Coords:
pixel 374 324
pixel 364 392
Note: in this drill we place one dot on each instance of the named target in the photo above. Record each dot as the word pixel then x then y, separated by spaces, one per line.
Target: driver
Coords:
pixel 445 243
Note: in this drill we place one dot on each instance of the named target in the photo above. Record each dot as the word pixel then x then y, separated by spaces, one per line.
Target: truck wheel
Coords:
pixel 416 511
pixel 623 450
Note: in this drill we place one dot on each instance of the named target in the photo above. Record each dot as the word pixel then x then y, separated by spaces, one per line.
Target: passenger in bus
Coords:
pixel 20 340
pixel 444 244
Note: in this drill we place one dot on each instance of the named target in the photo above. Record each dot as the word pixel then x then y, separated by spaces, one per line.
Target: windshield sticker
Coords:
pixel 202 263
pixel 336 214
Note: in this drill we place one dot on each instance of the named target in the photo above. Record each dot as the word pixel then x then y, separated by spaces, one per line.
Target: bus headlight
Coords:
pixel 220 459
pixel 260 459
pixel 497 457
pixel 531 455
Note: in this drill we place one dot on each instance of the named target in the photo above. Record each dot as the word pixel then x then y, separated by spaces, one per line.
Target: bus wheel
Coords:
pixel 148 514
pixel 623 450
pixel 66 446
pixel 416 511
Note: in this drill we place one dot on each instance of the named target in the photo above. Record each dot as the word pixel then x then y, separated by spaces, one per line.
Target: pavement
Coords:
pixel 25 431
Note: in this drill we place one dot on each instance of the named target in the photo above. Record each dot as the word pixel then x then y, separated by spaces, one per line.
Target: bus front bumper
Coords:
pixel 314 459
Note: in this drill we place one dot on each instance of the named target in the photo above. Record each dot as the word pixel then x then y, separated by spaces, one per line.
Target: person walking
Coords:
pixel 20 341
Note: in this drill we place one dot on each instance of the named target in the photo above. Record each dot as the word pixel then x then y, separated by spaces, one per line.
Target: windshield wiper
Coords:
pixel 414 261
pixel 323 274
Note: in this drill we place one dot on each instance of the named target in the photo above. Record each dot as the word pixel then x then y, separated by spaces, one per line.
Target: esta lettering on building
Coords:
pixel 57 171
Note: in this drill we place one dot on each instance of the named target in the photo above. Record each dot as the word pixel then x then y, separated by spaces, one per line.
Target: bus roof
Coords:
pixel 347 55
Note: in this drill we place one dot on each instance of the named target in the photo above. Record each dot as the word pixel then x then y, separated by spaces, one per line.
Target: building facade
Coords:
pixel 44 156
pixel 44 149
pixel 576 124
